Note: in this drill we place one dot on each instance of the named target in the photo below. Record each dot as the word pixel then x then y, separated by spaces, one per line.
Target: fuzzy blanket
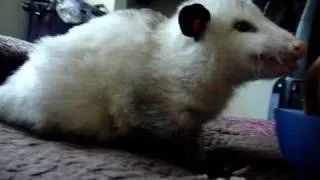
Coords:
pixel 230 144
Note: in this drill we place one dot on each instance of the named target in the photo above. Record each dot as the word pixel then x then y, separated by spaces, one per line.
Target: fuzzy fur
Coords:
pixel 134 68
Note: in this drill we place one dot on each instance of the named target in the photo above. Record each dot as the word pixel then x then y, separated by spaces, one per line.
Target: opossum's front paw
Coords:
pixel 232 178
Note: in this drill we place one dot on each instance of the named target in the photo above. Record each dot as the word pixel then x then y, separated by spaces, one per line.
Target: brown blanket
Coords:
pixel 230 143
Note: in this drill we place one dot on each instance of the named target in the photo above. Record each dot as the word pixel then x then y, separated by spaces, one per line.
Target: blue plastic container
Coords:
pixel 299 141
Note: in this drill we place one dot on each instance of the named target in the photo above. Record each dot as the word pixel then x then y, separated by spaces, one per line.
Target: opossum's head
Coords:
pixel 241 38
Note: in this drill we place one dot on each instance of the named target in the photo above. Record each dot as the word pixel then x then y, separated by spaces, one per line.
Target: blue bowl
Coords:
pixel 299 140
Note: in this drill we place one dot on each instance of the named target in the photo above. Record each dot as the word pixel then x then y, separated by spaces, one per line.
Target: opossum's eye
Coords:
pixel 244 26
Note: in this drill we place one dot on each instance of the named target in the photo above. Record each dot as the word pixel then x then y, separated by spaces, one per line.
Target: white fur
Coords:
pixel 71 79
pixel 86 81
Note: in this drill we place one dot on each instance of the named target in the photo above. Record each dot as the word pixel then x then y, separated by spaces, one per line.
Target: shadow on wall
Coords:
pixel 13 19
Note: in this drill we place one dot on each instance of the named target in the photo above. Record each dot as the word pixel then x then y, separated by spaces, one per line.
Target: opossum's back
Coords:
pixel 120 36
pixel 96 54
pixel 120 28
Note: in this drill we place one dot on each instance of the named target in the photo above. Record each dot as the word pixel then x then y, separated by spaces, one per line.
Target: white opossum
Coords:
pixel 138 68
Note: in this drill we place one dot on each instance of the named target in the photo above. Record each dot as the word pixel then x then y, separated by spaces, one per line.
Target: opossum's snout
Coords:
pixel 293 51
pixel 284 59
pixel 298 49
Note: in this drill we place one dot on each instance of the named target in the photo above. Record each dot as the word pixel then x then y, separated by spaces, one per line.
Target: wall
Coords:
pixel 252 100
pixel 13 19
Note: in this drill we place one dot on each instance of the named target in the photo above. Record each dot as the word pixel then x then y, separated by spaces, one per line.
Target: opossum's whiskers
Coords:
pixel 266 8
pixel 278 59
pixel 254 71
pixel 258 69
pixel 260 66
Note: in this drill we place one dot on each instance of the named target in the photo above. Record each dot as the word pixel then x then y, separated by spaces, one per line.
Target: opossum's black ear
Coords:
pixel 193 20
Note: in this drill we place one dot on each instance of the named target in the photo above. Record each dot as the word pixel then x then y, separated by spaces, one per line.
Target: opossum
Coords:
pixel 137 68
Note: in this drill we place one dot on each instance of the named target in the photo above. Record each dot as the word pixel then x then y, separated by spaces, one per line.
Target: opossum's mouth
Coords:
pixel 283 68
pixel 281 64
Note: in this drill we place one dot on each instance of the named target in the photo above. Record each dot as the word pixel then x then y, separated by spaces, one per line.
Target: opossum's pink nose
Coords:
pixel 300 48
